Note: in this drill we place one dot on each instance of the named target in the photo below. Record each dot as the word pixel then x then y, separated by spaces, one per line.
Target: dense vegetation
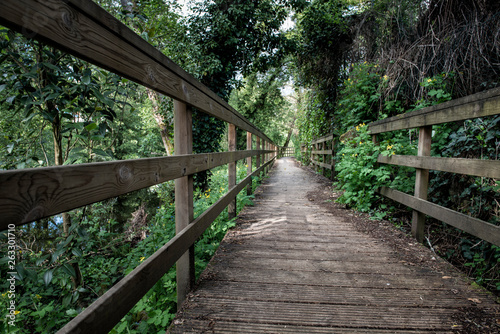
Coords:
pixel 351 61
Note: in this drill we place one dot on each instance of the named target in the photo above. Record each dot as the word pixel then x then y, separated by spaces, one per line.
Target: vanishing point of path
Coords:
pixel 294 266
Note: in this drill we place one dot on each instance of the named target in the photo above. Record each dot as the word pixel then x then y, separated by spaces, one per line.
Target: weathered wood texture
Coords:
pixel 183 139
pixel 478 105
pixel 84 29
pixel 102 315
pixel 249 162
pixel 322 139
pixel 323 147
pixel 30 194
pixel 476 167
pixel 292 266
pixel 231 168
pixel 323 152
pixel 421 182
pixel 321 164
pixel 474 226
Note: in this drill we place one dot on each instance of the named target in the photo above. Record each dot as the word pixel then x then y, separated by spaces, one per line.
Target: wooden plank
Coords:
pixel 85 30
pixel 301 314
pixel 183 140
pixel 477 105
pixel 476 167
pixel 231 169
pixel 421 182
pixel 249 162
pixel 30 194
pixel 321 164
pixel 340 295
pixel 196 326
pixel 257 157
pixel 327 152
pixel 474 226
pixel 103 314
pixel 322 139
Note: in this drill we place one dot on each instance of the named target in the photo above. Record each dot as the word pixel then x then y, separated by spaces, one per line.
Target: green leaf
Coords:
pixel 40 260
pixel 47 276
pixel 86 80
pixel 51 66
pixel 68 269
pixel 91 127
pixel 77 252
pixel 66 300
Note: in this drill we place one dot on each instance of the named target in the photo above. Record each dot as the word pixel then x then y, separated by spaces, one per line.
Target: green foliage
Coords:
pixel 261 102
pixel 439 89
pixel 357 175
pixel 359 97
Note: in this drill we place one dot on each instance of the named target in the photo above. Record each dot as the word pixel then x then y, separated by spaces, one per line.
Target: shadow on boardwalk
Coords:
pixel 298 263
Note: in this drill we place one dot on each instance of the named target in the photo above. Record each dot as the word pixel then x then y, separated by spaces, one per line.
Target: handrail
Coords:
pixel 72 186
pixel 286 151
pixel 473 106
pixel 85 30
pixel 322 154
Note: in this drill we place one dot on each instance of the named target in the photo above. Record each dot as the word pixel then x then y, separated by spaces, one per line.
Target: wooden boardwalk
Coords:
pixel 292 266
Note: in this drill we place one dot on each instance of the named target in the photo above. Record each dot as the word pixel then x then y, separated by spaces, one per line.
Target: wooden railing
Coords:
pixel 474 106
pixel 286 151
pixel 83 29
pixel 323 155
pixel 479 105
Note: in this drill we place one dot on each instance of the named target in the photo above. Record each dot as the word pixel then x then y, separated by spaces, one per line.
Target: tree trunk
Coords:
pixel 164 127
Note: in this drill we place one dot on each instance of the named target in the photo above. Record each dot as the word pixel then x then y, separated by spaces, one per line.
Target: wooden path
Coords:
pixel 291 266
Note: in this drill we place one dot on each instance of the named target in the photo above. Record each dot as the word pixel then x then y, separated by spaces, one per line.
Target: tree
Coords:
pixel 232 38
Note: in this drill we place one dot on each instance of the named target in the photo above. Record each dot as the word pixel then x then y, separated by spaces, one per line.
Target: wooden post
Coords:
pixel 322 148
pixel 257 158
pixel 231 137
pixel 421 182
pixel 249 162
pixel 264 155
pixel 332 161
pixel 183 141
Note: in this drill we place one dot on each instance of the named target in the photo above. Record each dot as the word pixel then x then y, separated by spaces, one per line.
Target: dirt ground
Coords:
pixel 474 319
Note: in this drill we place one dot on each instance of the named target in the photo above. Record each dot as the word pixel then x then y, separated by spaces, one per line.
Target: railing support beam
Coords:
pixel 249 162
pixel 183 141
pixel 231 134
pixel 421 182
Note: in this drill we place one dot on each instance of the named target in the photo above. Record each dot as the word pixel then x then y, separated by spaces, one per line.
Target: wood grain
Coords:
pixel 321 164
pixel 421 181
pixel 478 105
pixel 231 168
pixel 30 194
pixel 476 167
pixel 474 226
pixel 323 139
pixel 324 152
pixel 183 139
